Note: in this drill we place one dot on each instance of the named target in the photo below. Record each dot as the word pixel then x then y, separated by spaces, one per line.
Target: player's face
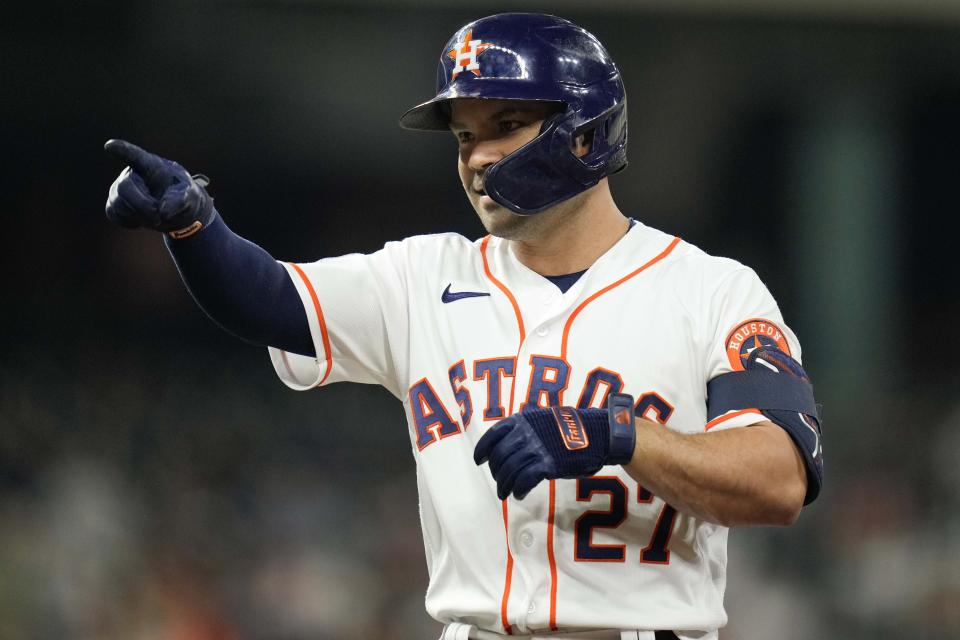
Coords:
pixel 487 130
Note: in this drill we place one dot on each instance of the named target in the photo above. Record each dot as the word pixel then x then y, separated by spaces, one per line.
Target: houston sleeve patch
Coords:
pixel 750 336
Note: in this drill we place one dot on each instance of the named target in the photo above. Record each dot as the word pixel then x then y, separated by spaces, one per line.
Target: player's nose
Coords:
pixel 484 154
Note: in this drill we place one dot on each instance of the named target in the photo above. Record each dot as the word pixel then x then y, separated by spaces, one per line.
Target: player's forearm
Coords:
pixel 242 288
pixel 234 281
pixel 746 476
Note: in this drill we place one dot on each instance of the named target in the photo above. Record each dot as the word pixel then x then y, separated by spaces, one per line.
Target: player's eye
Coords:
pixel 511 125
pixel 463 137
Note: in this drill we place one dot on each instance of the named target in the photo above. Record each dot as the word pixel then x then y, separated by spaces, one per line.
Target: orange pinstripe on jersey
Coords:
pixel 513 384
pixel 516 310
pixel 323 323
pixel 550 555
pixel 501 286
pixel 566 329
pixel 509 572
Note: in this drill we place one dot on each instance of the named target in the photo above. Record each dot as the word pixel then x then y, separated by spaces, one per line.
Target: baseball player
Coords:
pixel 591 402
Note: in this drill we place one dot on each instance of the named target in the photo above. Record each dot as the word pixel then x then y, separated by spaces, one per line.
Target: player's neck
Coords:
pixel 573 240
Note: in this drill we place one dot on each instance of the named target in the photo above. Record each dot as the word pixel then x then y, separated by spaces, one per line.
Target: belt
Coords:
pixel 460 631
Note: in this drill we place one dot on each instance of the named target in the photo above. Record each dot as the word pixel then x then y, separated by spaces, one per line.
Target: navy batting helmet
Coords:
pixel 530 56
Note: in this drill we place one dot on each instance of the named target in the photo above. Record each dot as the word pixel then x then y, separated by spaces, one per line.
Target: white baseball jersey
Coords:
pixel 464 335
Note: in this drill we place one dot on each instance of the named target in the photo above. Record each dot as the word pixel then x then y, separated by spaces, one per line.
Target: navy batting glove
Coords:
pixel 559 442
pixel 156 193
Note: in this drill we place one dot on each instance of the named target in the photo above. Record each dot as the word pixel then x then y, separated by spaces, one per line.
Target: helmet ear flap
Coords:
pixel 541 173
pixel 528 180
pixel 607 138
pixel 549 161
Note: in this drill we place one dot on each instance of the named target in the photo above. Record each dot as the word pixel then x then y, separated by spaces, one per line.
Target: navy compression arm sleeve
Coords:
pixel 242 288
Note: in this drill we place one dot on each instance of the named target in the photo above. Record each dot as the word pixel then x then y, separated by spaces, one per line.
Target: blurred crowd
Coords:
pixel 176 500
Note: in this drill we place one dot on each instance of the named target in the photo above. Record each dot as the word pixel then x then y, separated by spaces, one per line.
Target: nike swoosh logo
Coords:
pixel 450 296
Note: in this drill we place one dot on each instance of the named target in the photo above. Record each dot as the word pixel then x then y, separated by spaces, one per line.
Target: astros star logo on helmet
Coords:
pixel 465 54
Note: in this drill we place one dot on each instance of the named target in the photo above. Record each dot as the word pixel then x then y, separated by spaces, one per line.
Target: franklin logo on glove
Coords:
pixel 571 428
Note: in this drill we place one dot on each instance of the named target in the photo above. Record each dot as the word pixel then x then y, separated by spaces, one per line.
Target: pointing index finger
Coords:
pixel 149 166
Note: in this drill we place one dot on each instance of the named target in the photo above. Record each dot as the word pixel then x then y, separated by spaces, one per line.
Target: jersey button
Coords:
pixel 532 607
pixel 542 331
pixel 526 539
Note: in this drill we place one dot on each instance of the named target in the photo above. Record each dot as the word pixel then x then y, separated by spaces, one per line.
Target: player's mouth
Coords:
pixel 477 186
pixel 483 198
pixel 481 195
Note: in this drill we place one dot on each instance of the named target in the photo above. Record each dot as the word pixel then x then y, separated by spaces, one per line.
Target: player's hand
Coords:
pixel 156 193
pixel 559 442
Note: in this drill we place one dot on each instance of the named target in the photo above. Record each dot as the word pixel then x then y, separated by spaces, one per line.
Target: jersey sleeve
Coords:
pixel 356 306
pixel 743 316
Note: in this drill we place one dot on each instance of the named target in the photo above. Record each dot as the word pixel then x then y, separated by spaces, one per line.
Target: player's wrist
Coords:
pixel 581 441
pixel 203 217
pixel 194 228
pixel 611 431
pixel 620 425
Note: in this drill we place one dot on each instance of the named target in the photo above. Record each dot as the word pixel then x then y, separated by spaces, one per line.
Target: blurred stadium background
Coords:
pixel 158 481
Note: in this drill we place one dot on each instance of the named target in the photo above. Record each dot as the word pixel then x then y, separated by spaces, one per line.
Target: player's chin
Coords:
pixel 497 219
